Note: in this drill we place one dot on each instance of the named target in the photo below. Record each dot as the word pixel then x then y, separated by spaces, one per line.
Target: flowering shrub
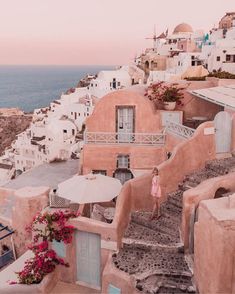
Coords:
pixel 46 227
pixel 160 93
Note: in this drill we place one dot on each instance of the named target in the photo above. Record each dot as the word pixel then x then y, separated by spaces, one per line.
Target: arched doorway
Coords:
pixel 223 132
pixel 123 175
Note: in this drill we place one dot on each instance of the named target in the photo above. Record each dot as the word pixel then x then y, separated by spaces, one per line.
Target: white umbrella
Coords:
pixel 89 188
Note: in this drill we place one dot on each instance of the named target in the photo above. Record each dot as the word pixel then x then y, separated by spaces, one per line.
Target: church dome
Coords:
pixel 183 28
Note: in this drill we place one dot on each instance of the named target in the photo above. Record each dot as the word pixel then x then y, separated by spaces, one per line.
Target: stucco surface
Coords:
pixel 214 247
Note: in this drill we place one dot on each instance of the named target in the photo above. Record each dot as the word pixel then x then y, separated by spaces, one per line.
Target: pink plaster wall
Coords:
pixel 192 198
pixel 4 193
pixel 194 106
pixel 214 247
pixel 117 278
pixel 29 201
pixel 172 141
pixel 187 157
pixel 103 157
pixel 103 118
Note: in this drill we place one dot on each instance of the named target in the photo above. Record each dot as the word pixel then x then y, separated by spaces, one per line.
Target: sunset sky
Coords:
pixel 74 32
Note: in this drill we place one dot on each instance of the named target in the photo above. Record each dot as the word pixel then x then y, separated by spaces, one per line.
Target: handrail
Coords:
pixel 148 139
pixel 179 130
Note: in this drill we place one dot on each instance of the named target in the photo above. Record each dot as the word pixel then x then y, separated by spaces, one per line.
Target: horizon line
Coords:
pixel 59 65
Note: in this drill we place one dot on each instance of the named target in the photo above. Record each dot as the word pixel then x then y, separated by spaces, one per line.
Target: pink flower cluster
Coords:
pixel 46 228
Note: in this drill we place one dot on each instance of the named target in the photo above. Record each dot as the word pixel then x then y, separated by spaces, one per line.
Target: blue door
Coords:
pixel 88 258
pixel 113 290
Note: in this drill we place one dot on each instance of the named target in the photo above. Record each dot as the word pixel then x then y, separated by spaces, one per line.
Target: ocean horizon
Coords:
pixel 34 86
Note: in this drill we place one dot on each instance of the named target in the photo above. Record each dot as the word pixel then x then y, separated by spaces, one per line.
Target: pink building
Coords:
pixel 123 136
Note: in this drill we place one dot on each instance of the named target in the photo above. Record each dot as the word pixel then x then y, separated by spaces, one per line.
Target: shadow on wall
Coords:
pixel 187 157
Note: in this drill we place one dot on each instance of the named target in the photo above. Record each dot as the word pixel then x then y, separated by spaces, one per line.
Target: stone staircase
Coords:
pixel 152 252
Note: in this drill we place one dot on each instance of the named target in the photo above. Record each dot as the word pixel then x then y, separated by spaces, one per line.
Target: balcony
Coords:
pixel 140 139
pixel 179 130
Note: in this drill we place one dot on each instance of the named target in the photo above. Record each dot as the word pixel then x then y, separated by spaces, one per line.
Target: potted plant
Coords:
pixel 166 95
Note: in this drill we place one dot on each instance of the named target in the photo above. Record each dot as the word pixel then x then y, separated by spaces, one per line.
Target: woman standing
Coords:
pixel 156 193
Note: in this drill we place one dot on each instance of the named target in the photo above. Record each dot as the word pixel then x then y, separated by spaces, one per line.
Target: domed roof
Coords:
pixel 183 28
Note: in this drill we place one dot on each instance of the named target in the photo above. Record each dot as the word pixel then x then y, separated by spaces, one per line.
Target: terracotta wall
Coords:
pixel 172 141
pixel 103 118
pixel 214 246
pixel 29 201
pixel 187 156
pixel 192 198
pixel 118 279
pixel 194 106
pixel 103 157
pixel 4 193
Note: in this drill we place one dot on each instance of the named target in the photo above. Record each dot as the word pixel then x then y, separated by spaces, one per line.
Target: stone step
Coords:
pixel 161 283
pixel 164 224
pixel 142 263
pixel 140 232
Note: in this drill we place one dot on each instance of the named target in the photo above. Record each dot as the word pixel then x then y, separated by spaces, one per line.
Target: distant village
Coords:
pixel 174 109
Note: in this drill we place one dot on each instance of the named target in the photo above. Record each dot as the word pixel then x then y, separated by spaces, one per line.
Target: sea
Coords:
pixel 30 87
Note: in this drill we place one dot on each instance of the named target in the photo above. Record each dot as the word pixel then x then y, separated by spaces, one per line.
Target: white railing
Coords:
pixel 179 130
pixel 157 139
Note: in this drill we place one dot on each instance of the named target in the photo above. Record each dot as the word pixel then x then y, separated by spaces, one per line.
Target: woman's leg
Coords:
pixel 155 207
pixel 158 208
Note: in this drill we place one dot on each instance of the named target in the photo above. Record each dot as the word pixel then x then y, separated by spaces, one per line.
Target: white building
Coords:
pixel 112 80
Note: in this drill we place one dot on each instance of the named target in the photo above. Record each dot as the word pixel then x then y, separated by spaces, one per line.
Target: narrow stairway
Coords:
pixel 153 253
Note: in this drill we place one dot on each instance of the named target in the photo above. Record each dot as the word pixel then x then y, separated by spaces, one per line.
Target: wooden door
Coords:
pixel 125 124
pixel 88 258
pixel 223 132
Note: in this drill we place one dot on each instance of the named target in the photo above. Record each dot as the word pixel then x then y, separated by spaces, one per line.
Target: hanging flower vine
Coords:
pixel 46 227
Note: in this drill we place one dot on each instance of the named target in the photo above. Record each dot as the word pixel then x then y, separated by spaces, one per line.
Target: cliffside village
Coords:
pixel 109 126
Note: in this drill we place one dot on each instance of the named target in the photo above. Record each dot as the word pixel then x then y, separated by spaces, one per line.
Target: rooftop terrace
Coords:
pixel 48 174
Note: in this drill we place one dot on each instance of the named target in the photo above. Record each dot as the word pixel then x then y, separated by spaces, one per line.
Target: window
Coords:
pixel 119 84
pixel 73 132
pixel 123 161
pixel 227 58
pixel 87 114
pixel 71 113
pixel 218 58
pixel 65 131
pixel 101 172
pixel 79 114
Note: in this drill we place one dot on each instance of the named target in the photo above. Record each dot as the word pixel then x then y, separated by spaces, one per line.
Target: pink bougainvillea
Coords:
pixel 160 93
pixel 46 227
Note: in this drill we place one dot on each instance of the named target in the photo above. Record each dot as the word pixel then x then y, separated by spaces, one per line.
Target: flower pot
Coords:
pixel 169 105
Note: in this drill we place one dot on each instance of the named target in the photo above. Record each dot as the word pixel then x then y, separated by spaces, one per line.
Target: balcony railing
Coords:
pixel 157 139
pixel 179 130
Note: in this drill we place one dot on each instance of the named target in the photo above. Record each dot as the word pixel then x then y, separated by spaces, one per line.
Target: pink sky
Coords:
pixel 94 31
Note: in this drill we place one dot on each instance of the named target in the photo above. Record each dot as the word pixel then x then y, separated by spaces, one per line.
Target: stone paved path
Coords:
pixel 152 252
